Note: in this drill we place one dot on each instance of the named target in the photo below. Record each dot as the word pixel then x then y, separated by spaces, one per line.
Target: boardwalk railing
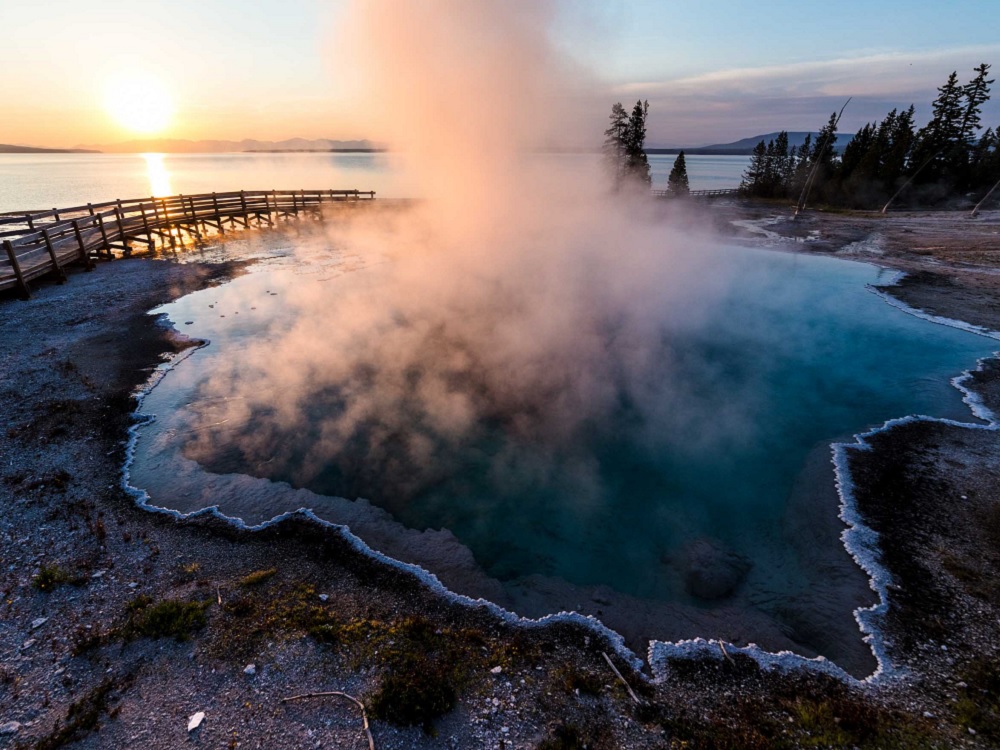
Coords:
pixel 38 243
pixel 698 193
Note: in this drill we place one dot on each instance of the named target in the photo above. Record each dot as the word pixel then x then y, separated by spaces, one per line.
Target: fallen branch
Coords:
pixel 352 699
pixel 618 674
pixel 722 648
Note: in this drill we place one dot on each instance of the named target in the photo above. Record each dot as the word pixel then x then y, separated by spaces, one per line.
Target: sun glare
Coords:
pixel 139 103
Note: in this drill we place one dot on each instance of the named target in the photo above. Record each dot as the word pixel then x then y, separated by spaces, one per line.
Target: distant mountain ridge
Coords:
pixel 745 146
pixel 7 148
pixel 181 146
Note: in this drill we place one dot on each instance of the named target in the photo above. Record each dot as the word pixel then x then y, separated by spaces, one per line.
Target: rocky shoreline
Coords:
pixel 118 625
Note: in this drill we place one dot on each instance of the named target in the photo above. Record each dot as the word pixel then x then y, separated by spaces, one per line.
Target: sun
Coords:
pixel 139 102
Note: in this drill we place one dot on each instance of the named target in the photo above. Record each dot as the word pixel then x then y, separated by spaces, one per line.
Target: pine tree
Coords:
pixel 614 143
pixel 636 162
pixel 752 182
pixel 975 93
pixel 784 165
pixel 936 141
pixel 901 139
pixel 677 182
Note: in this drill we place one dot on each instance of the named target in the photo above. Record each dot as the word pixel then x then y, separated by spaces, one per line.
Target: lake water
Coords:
pixel 705 509
pixel 44 181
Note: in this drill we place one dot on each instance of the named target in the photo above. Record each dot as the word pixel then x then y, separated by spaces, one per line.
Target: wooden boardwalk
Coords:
pixel 703 194
pixel 40 243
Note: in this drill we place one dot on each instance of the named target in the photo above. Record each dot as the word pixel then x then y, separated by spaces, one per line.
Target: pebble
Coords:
pixel 28 644
pixel 324 597
pixel 250 669
pixel 195 721
pixel 496 670
pixel 10 727
pixel 37 623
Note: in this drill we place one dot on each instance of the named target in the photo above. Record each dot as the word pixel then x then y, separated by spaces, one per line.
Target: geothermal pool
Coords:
pixel 698 500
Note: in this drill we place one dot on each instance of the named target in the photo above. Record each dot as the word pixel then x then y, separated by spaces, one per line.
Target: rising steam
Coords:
pixel 515 320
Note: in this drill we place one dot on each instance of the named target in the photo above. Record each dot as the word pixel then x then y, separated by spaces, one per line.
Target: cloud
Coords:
pixel 737 102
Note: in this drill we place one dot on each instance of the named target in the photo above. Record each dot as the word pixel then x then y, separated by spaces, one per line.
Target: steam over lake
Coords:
pixel 43 181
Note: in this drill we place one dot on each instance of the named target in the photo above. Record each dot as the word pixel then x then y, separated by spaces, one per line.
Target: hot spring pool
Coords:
pixel 697 500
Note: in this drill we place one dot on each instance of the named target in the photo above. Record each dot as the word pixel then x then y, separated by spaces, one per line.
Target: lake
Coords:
pixel 44 181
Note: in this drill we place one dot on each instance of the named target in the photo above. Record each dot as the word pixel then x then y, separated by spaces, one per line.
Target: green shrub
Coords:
pixel 170 618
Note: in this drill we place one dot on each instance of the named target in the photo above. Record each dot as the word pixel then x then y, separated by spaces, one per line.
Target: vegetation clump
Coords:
pixel 257 577
pixel 978 706
pixel 51 577
pixel 83 715
pixel 170 618
pixel 424 670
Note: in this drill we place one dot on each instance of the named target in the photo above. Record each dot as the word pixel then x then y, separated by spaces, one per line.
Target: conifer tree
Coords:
pixel 614 143
pixel 753 177
pixel 677 182
pixel 975 93
pixel 936 141
pixel 636 162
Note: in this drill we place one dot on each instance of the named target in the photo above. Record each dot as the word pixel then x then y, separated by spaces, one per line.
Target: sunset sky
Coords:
pixel 713 71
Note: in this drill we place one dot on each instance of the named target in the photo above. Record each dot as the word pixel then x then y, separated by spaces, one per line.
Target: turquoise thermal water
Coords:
pixel 795 355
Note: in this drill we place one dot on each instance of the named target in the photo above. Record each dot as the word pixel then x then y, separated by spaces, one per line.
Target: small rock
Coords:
pixel 195 721
pixel 972 731
pixel 133 585
pixel 35 624
pixel 496 670
pixel 961 685
pixel 10 727
pixel 324 597
pixel 250 669
pixel 928 715
pixel 99 574
pixel 505 730
pixel 28 644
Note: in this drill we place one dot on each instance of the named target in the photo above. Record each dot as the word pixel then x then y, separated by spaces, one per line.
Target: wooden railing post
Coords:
pixel 21 283
pixel 52 255
pixel 104 235
pixel 121 227
pixel 83 246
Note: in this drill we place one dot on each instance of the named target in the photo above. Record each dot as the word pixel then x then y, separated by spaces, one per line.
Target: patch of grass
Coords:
pixel 253 616
pixel 257 577
pixel 589 736
pixel 83 716
pixel 846 720
pixel 564 737
pixel 170 618
pixel 572 680
pixel 327 632
pixel 978 706
pixel 51 577
pixel 425 667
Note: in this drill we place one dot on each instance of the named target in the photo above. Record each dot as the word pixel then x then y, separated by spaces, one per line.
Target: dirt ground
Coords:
pixel 119 625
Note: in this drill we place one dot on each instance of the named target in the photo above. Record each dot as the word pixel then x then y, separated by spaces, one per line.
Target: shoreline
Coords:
pixel 726 666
